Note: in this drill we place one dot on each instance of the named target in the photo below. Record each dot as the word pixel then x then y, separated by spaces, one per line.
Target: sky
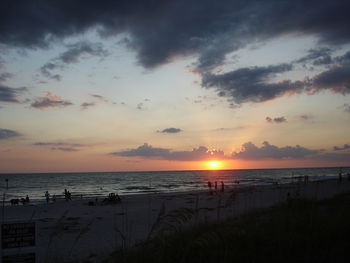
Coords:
pixel 173 85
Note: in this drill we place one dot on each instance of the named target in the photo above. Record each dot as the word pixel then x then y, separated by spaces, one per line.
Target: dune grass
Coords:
pixel 299 231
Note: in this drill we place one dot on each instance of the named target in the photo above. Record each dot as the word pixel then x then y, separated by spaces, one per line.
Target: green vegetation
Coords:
pixel 299 231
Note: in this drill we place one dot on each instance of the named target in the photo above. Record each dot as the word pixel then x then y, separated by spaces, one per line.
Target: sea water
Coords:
pixel 100 184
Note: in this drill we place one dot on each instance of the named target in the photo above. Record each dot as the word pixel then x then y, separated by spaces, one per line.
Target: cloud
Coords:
pixel 72 55
pixel 148 152
pixel 60 146
pixel 99 97
pixel 251 84
pixel 249 151
pixel 86 105
pixel 7 134
pixel 75 51
pixel 345 147
pixel 140 106
pixel 8 94
pixel 207 28
pixel 318 56
pixel 252 152
pixel 255 84
pixel 64 149
pixel 276 120
pixel 144 150
pixel 305 117
pixel 232 128
pixel 5 76
pixel 337 79
pixel 50 100
pixel 48 67
pixel 57 144
pixel 170 130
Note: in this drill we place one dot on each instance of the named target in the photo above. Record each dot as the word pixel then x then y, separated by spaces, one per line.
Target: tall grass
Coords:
pixel 299 231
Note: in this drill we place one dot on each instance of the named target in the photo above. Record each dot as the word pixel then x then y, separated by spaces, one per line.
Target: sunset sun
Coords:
pixel 214 165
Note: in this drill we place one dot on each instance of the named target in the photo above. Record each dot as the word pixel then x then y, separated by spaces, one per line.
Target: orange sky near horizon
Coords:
pixel 32 163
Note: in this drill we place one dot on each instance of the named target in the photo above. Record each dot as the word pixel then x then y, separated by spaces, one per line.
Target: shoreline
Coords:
pixel 229 186
pixel 75 230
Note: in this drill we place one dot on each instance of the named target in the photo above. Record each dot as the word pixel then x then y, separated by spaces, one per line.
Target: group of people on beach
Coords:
pixel 67 196
pixel 23 201
pixel 210 186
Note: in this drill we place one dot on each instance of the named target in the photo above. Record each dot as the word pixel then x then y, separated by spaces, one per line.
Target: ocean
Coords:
pixel 92 185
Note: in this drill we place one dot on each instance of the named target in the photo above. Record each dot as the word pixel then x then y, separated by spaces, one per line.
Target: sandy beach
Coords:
pixel 89 230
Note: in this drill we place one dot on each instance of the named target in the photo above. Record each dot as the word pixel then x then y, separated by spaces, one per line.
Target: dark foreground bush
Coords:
pixel 300 231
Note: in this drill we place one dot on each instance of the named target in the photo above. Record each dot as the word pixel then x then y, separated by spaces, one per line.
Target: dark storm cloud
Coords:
pixel 50 100
pixel 171 130
pixel 345 147
pixel 148 152
pixel 8 94
pixel 276 120
pixel 7 134
pixel 268 151
pixel 251 84
pixel 208 28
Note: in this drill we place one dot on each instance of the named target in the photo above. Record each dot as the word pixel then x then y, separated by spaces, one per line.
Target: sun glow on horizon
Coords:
pixel 214 165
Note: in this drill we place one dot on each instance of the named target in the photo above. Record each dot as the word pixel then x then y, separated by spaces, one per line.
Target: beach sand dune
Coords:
pixel 90 230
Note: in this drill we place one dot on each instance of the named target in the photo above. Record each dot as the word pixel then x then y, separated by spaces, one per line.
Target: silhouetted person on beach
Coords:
pixel 27 199
pixel 340 177
pixel 69 196
pixel 216 185
pixel 47 195
pixel 210 185
pixel 65 194
pixel 222 187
